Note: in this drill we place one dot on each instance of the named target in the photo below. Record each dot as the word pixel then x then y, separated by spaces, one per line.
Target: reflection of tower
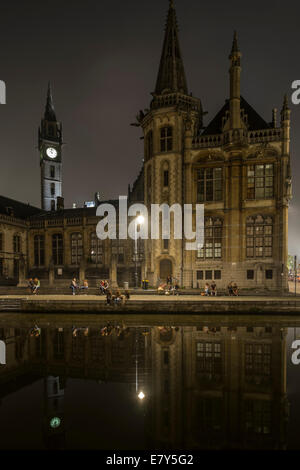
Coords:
pixel 54 425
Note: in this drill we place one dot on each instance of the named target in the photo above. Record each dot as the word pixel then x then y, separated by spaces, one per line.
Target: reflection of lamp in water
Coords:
pixel 138 221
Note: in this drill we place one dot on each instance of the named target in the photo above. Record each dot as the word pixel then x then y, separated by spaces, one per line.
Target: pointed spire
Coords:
pixel 235 47
pixel 171 75
pixel 49 110
pixel 235 84
pixel 285 111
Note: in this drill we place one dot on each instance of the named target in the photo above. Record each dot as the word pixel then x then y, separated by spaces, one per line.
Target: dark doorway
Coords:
pixel 165 269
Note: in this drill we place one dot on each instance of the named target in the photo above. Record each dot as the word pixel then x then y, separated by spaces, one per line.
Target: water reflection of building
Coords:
pixel 219 388
pixel 205 387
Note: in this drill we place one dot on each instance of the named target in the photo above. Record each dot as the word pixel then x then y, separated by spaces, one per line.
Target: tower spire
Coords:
pixel 235 84
pixel 171 76
pixel 49 109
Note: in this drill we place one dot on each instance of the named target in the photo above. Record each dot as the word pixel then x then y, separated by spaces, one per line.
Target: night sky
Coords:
pixel 102 59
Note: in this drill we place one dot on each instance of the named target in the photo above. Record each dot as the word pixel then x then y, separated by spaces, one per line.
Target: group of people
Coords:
pixel 168 288
pixel 76 288
pixel 34 285
pixel 233 289
pixel 117 298
pixel 210 289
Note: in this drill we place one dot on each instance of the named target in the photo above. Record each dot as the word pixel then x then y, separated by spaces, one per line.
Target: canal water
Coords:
pixel 103 383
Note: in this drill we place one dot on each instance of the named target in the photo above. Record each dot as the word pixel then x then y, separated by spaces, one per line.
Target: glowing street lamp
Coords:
pixel 141 396
pixel 138 221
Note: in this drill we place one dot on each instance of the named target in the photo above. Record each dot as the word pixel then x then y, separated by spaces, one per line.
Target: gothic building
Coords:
pixel 237 165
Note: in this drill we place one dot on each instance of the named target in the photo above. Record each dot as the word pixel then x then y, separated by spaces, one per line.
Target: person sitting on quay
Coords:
pixel 207 289
pixel 74 286
pixel 85 286
pixel 31 285
pixel 108 297
pixel 230 289
pixel 235 289
pixel 213 289
pixel 36 285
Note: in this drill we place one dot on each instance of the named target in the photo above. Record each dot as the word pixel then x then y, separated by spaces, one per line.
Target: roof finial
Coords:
pixel 171 3
pixel 49 110
pixel 235 47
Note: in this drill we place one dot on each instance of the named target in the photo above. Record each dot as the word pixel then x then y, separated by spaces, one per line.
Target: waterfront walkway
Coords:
pixel 151 303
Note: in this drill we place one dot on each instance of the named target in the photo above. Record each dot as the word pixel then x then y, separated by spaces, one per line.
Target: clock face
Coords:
pixel 51 152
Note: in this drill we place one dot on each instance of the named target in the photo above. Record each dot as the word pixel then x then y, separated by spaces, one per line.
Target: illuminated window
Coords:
pixel 209 184
pixel 260 184
pixel 96 249
pixel 212 248
pixel 57 248
pixel 166 139
pixel 259 232
pixel 39 250
pixel 76 248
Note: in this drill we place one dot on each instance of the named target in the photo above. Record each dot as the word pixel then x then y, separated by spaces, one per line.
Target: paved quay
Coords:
pixel 155 304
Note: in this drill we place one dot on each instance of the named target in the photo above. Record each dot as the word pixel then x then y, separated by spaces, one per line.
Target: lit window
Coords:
pixel 259 231
pixel 209 184
pixel 166 139
pixel 260 184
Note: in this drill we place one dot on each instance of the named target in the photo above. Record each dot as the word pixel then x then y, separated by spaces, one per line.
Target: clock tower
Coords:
pixel 50 148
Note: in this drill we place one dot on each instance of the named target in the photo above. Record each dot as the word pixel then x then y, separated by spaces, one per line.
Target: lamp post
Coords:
pixel 138 221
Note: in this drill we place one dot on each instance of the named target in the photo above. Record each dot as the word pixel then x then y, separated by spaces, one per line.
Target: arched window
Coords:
pixel 166 139
pixel 96 249
pixel 76 248
pixel 149 145
pixel 39 250
pixel 259 237
pixel 212 248
pixel 17 244
pixel 57 249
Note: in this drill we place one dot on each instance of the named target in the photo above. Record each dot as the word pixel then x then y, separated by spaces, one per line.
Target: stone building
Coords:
pixel 238 166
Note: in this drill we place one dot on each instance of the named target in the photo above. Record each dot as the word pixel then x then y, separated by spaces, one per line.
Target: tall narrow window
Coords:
pixel 1 267
pixel 149 145
pixel 259 237
pixel 1 242
pixel 39 250
pixel 212 248
pixel 53 205
pixel 57 248
pixel 52 171
pixel 166 139
pixel 76 248
pixel 260 181
pixel 96 249
pixel 166 178
pixel 209 184
pixel 17 244
pixel 52 189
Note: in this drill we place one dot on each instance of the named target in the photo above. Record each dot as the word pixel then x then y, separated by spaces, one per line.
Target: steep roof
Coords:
pixel 171 75
pixel 17 209
pixel 255 121
pixel 78 212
